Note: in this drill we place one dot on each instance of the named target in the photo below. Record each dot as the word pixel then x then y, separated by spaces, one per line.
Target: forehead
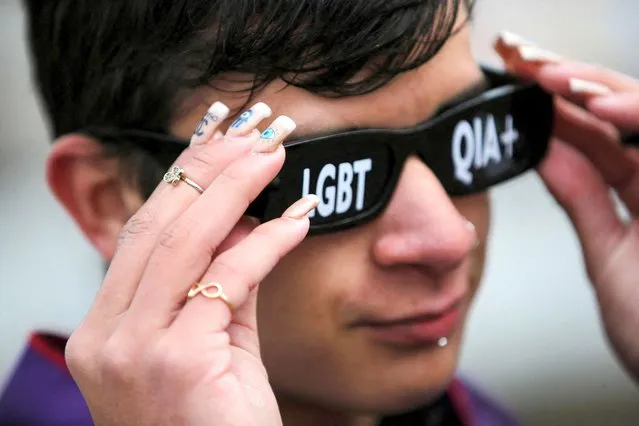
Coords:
pixel 409 99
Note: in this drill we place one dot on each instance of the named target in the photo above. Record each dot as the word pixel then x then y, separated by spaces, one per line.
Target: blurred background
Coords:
pixel 534 338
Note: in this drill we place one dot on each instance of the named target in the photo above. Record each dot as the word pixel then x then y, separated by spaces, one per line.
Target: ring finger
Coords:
pixel 234 276
pixel 201 162
pixel 185 249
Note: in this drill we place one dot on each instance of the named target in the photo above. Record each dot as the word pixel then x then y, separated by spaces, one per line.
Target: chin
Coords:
pixel 418 382
pixel 406 381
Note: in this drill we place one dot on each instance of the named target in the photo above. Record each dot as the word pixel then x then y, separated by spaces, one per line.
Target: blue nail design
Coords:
pixel 242 119
pixel 199 131
pixel 268 134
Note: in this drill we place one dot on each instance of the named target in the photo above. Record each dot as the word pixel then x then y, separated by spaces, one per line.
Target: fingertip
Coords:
pixel 609 101
pixel 262 109
pixel 302 207
pixel 621 109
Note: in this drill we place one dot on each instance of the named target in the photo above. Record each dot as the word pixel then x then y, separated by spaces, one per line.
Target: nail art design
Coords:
pixel 209 123
pixel 208 118
pixel 250 119
pixel 274 135
pixel 242 119
pixel 268 134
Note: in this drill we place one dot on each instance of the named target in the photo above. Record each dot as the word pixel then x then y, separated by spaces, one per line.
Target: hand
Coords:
pixel 144 355
pixel 586 162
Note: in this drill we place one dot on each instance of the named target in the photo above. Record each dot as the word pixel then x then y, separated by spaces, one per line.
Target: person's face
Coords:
pixel 316 307
pixel 348 320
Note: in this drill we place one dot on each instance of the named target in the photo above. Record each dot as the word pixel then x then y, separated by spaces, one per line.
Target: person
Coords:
pixel 394 137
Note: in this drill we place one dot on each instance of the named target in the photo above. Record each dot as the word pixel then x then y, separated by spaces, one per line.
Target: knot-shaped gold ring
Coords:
pixel 206 291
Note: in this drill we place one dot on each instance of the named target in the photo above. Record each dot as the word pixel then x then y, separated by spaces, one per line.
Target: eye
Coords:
pixel 268 134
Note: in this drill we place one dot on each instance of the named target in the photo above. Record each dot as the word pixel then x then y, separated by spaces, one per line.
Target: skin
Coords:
pixel 418 250
pixel 322 370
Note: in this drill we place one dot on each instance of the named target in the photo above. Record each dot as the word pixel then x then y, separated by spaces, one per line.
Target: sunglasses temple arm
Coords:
pixel 631 140
pixel 258 207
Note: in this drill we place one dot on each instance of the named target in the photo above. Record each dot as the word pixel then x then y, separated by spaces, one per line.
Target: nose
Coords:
pixel 421 226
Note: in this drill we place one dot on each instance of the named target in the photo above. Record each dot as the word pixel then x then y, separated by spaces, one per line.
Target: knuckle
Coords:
pixel 202 160
pixel 78 355
pixel 139 224
pixel 119 360
pixel 171 239
pixel 178 234
pixel 246 276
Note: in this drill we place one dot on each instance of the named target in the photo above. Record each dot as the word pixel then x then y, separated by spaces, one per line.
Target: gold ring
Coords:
pixel 176 175
pixel 204 289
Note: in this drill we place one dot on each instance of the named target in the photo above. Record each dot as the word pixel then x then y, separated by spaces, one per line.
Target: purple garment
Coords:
pixel 484 411
pixel 41 392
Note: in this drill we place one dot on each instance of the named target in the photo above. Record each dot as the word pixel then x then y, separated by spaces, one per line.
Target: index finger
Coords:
pixel 555 72
pixel 202 162
pixel 568 78
pixel 620 109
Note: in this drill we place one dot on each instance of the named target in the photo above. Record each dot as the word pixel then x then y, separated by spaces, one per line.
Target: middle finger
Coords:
pixel 599 143
pixel 202 162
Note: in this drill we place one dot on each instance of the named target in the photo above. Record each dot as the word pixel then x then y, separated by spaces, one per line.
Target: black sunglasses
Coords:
pixel 470 146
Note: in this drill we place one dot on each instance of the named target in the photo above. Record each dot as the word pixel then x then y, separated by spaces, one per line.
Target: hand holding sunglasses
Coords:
pixel 593 154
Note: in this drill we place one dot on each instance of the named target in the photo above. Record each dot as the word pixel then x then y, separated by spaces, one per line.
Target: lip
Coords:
pixel 425 328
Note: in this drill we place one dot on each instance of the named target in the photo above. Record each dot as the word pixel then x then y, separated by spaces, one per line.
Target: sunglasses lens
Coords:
pixel 491 142
pixel 350 178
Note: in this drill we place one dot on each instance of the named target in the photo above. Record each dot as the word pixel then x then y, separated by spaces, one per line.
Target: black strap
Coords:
pixel 631 140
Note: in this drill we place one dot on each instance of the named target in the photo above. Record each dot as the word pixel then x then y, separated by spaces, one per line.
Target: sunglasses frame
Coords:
pixel 402 143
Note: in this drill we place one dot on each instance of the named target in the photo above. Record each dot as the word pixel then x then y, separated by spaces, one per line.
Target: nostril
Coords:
pixel 439 248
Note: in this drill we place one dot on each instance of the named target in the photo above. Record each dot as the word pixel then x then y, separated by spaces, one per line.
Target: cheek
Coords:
pixel 297 296
pixel 301 302
pixel 296 316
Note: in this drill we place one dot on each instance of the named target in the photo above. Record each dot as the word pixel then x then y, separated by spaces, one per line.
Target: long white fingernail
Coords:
pixel 512 40
pixel 302 207
pixel 586 87
pixel 209 123
pixel 249 119
pixel 536 54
